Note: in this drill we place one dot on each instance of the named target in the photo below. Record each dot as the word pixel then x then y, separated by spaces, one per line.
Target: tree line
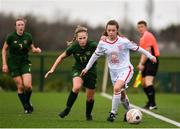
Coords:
pixel 53 36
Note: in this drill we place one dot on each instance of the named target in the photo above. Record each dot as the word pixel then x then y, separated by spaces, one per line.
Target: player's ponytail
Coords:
pixel 77 30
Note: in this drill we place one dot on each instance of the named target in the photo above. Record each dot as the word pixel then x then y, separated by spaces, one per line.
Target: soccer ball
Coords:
pixel 134 116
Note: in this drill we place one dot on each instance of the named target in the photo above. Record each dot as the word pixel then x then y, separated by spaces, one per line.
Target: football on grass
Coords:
pixel 134 116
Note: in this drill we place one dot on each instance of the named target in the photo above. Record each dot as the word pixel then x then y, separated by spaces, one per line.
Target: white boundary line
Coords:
pixel 148 112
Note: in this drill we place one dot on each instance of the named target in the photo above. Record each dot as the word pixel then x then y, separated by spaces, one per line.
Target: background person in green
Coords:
pixel 82 49
pixel 16 62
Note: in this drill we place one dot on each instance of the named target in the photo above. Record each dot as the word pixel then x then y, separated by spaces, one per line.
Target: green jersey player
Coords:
pixel 81 49
pixel 16 62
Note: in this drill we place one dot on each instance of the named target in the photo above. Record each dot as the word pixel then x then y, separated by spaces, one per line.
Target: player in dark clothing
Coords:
pixel 17 63
pixel 149 69
pixel 81 49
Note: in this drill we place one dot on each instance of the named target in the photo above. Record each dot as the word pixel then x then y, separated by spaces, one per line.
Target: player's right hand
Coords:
pixel 5 68
pixel 83 72
pixel 49 72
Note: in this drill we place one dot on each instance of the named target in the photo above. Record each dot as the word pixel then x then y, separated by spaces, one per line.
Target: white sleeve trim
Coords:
pixel 148 54
pixel 92 60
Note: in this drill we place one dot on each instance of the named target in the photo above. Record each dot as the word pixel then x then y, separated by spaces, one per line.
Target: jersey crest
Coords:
pixel 25 41
pixel 88 53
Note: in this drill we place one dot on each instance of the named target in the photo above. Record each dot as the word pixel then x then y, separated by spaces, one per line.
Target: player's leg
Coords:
pixel 89 83
pixel 27 82
pixel 115 99
pixel 123 77
pixel 89 103
pixel 125 100
pixel 77 83
pixel 145 91
pixel 21 94
pixel 150 92
pixel 148 75
pixel 127 78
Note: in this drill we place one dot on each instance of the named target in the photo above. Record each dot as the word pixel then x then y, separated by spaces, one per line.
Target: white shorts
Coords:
pixel 124 74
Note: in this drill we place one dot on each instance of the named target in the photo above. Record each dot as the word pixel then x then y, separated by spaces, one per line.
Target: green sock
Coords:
pixel 89 107
pixel 23 99
pixel 71 99
pixel 28 95
pixel 151 94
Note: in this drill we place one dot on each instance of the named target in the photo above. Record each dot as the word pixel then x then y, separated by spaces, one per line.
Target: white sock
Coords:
pixel 125 103
pixel 115 103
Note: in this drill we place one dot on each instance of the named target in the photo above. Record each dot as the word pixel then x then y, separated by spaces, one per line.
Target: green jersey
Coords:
pixel 82 55
pixel 18 47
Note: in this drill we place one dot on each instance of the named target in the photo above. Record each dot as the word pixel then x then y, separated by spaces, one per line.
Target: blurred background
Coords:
pixel 52 23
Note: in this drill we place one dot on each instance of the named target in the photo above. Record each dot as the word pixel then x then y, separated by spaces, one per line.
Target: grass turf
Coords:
pixel 48 105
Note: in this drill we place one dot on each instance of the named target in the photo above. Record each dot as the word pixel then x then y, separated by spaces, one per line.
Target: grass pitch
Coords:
pixel 48 105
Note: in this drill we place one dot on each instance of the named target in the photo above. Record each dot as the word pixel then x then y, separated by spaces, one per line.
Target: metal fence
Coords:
pixel 167 79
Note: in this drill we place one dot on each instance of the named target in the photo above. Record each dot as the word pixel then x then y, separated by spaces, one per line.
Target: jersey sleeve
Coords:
pixel 8 39
pixel 131 45
pixel 70 50
pixel 30 39
pixel 93 45
pixel 100 50
pixel 148 54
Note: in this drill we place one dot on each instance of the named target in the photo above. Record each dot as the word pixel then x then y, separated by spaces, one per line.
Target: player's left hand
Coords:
pixel 83 72
pixel 140 67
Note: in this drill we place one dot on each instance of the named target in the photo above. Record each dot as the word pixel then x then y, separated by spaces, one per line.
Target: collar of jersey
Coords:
pixel 112 41
pixel 19 35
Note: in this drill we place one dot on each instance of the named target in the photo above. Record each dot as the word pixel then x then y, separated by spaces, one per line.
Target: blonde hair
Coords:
pixel 77 30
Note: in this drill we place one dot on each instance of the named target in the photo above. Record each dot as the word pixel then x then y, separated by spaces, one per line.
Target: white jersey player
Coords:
pixel 117 49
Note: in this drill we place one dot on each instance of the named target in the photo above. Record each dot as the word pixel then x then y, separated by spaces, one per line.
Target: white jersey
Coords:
pixel 117 52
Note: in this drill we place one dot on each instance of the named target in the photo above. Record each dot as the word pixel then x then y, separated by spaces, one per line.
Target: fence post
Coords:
pixel 41 86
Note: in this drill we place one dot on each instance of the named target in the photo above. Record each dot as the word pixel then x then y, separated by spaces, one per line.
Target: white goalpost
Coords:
pixel 105 76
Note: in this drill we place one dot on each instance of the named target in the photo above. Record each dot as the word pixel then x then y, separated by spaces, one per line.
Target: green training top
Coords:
pixel 18 47
pixel 82 55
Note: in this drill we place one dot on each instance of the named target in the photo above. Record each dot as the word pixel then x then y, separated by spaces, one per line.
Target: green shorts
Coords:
pixel 18 70
pixel 89 79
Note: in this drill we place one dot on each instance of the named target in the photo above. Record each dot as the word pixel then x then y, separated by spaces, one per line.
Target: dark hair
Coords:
pixel 20 19
pixel 77 30
pixel 111 22
pixel 142 22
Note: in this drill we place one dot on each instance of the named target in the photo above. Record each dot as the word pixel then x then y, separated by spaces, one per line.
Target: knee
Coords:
pixel 20 88
pixel 90 98
pixel 116 90
pixel 28 86
pixel 148 83
pixel 76 89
